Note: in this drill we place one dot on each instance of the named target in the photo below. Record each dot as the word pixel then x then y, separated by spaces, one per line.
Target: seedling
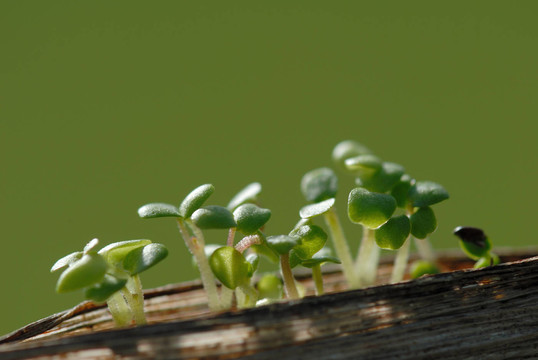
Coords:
pixel 191 218
pixel 476 245
pixel 422 267
pixel 319 187
pixel 111 275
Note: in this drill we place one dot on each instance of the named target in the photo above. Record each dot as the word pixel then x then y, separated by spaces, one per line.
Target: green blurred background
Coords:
pixel 108 105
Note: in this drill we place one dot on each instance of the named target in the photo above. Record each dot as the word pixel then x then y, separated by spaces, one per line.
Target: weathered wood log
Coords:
pixel 490 313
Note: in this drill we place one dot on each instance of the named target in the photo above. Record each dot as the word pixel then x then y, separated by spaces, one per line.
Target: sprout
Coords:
pixel 320 186
pixel 476 245
pixel 282 245
pixel 111 275
pixel 422 267
pixel 191 233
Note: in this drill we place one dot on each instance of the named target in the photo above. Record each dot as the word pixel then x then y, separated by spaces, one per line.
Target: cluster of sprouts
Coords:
pixel 393 209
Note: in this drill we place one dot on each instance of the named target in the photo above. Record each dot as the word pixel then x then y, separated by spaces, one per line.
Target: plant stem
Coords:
pixel 400 263
pixel 119 309
pixel 425 250
pixel 196 247
pixel 367 258
pixel 247 242
pixel 342 248
pixel 231 236
pixel 287 276
pixel 318 279
pixel 132 292
pixel 250 296
pixel 226 297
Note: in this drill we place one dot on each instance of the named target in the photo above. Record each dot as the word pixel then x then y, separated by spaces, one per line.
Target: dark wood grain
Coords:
pixel 466 314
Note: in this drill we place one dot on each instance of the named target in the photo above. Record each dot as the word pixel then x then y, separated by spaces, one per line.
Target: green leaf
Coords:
pixel 156 210
pixel 282 244
pixel 266 251
pixel 213 217
pixel 102 291
pixel 195 200
pixel 313 238
pixel 423 222
pixel 319 260
pixel 254 260
pixel 422 267
pixel 384 179
pixel 116 252
pixel 489 260
pixel 348 149
pixel 400 191
pixel 364 164
pixel 142 258
pixel 474 241
pixel 90 269
pixel 369 208
pixel 319 184
pixel 90 246
pixel 66 261
pixel 426 193
pixel 230 267
pixel 247 195
pixel 270 287
pixel 319 208
pixel 392 234
pixel 250 218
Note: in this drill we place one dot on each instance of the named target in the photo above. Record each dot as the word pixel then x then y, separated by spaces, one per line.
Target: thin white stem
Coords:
pixel 119 309
pixel 318 279
pixel 400 262
pixel 287 276
pixel 368 258
pixel 132 292
pixel 226 297
pixel 342 248
pixel 425 250
pixel 196 247
pixel 247 242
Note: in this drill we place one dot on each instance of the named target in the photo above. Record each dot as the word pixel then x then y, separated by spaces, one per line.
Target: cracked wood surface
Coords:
pixel 466 314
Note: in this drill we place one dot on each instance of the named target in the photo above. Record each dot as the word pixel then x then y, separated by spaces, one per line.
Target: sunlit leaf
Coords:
pixel 90 269
pixel 230 267
pixel 282 244
pixel 195 200
pixel 369 208
pixel 347 149
pixel 156 210
pixel 250 218
pixel 249 194
pixel 66 261
pixel 142 258
pixel 116 252
pixel 313 238
pixel 319 184
pixel 426 193
pixel 213 217
pixel 312 210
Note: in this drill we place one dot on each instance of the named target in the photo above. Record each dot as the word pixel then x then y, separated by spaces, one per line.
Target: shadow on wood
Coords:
pixel 490 313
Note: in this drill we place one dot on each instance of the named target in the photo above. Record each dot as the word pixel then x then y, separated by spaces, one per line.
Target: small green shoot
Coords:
pixel 476 245
pixel 111 275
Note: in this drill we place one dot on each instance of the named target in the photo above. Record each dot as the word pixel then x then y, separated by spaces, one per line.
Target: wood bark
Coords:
pixel 490 313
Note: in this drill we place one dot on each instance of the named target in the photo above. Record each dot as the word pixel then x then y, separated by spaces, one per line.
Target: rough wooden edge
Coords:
pixel 490 313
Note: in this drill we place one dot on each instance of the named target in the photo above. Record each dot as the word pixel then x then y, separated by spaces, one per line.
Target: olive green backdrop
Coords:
pixel 108 105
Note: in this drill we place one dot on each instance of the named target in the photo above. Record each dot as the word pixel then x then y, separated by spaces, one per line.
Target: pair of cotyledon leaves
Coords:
pixel 375 209
pixel 248 218
pixel 105 272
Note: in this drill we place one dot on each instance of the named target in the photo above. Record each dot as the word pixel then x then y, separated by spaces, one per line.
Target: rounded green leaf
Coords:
pixel 489 260
pixel 319 184
pixel 282 244
pixel 400 191
pixel 426 193
pixel 213 217
pixel 102 291
pixel 250 218
pixel 369 208
pixel 230 267
pixel 249 194
pixel 315 209
pixel 313 239
pixel 266 251
pixel 384 179
pixel 142 258
pixel 254 260
pixel 90 269
pixel 66 261
pixel 195 200
pixel 270 287
pixel 367 164
pixel 422 267
pixel 474 241
pixel 392 234
pixel 347 149
pixel 116 252
pixel 423 222
pixel 319 260
pixel 156 210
